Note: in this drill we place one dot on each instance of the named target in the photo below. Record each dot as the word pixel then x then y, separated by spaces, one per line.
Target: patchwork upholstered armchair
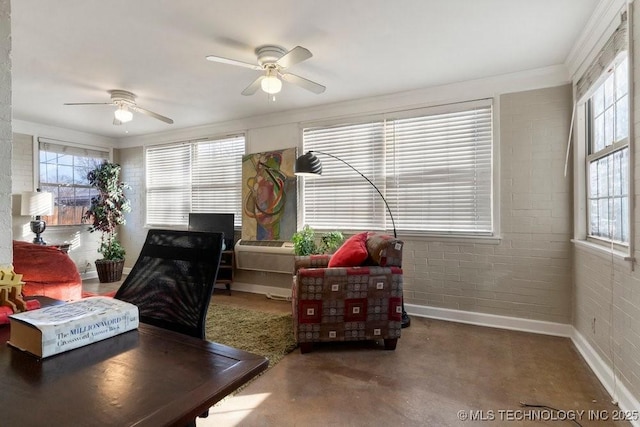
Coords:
pixel 354 294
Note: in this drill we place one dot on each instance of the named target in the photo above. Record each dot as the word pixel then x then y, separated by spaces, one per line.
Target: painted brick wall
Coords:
pixel 607 289
pixel 528 273
pixel 607 312
pixel 22 163
pixel 6 250
pixel 133 233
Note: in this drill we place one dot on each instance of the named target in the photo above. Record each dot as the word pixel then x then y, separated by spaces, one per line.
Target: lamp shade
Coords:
pixel 271 84
pixel 35 203
pixel 308 165
pixel 123 114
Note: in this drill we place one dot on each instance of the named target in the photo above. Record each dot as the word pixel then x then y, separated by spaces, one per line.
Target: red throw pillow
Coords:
pixel 352 253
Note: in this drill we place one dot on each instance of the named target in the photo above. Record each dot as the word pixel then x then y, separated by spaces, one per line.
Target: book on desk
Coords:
pixel 59 328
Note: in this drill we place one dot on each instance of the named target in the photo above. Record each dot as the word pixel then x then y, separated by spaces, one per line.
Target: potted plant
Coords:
pixel 304 242
pixel 330 241
pixel 105 214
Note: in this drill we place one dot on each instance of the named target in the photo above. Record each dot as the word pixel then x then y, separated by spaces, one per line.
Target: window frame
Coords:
pixel 385 177
pixel 587 117
pixel 74 150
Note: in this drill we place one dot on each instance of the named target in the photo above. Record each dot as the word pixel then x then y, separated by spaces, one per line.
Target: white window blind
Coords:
pixel 435 170
pixel 199 176
pixel 217 177
pixel 439 172
pixel 341 198
pixel 168 185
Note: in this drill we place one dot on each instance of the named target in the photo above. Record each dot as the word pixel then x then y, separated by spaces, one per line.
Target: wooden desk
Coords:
pixel 147 377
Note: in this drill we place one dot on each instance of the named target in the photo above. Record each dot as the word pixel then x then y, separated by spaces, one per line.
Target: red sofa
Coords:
pixel 47 271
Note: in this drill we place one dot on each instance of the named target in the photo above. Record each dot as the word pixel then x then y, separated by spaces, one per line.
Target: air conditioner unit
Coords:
pixel 274 256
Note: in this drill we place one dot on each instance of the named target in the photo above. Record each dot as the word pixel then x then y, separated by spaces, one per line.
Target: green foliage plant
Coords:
pixel 331 241
pixel 305 242
pixel 107 208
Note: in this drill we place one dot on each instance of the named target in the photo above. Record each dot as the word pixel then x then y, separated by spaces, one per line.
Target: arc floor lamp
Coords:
pixel 309 165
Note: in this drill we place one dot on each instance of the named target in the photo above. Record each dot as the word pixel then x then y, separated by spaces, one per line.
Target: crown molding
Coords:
pixel 63 134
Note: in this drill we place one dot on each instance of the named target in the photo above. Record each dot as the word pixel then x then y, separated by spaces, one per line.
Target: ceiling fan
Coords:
pixel 273 61
pixel 126 103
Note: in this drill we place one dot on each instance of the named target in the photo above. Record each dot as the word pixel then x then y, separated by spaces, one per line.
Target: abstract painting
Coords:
pixel 269 195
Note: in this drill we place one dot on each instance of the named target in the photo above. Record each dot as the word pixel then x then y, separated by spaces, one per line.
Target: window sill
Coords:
pixel 431 237
pixel 487 240
pixel 66 226
pixel 597 249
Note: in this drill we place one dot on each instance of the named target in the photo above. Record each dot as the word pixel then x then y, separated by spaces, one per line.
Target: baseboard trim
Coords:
pixel 614 386
pixel 261 289
pixel 491 320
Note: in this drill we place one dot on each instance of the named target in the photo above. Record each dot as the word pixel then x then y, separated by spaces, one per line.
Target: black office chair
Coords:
pixel 172 281
pixel 173 278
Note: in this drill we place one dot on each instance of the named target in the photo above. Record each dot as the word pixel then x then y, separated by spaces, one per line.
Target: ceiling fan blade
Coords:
pixel 303 83
pixel 116 122
pixel 222 60
pixel 294 56
pixel 88 103
pixel 151 114
pixel 253 87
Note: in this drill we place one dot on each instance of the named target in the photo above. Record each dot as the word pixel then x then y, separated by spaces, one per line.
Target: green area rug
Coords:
pixel 258 332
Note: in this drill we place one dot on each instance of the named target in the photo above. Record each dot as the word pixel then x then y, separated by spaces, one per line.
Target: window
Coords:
pixel 63 172
pixel 603 156
pixel 434 169
pixel 608 156
pixel 197 176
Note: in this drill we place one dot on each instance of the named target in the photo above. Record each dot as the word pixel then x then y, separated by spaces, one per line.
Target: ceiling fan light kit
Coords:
pixel 123 114
pixel 271 84
pixel 273 61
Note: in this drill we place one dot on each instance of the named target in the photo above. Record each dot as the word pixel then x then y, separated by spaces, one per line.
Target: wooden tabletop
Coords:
pixel 147 377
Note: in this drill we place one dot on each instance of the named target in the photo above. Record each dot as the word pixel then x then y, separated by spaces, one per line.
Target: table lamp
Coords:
pixel 37 204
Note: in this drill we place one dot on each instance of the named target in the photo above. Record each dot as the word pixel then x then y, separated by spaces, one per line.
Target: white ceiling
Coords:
pixel 77 50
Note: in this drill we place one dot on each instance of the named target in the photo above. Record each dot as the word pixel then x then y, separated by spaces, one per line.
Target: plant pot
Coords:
pixel 109 270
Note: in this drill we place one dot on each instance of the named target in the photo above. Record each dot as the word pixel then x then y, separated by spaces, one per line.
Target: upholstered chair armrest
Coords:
pixel 311 261
pixel 392 273
pixel 384 250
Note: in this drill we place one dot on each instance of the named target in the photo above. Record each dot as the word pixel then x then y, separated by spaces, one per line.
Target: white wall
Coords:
pixel 6 249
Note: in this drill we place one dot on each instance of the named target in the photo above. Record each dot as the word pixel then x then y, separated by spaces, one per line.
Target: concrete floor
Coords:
pixel 439 373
